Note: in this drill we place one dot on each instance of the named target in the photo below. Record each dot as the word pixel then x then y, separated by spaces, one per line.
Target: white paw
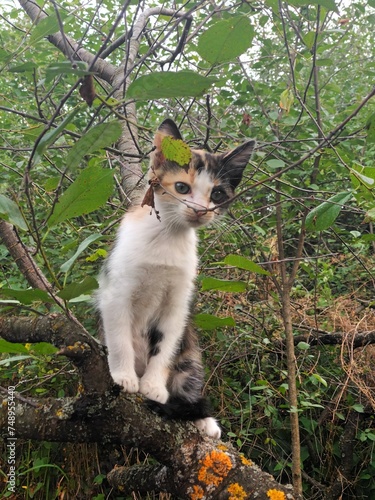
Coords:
pixel 153 391
pixel 128 381
pixel 209 426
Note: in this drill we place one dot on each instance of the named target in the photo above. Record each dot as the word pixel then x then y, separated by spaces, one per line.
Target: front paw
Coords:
pixel 129 382
pixel 154 391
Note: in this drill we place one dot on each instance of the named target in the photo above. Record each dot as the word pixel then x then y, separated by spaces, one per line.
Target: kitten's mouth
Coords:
pixel 198 218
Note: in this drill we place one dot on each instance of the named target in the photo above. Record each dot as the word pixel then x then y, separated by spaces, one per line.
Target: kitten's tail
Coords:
pixel 180 409
pixel 198 411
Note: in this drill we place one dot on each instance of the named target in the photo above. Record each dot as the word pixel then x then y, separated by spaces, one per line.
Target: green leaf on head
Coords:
pixel 176 150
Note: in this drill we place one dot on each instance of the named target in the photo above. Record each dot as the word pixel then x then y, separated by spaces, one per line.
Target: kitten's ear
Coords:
pixel 167 128
pixel 236 160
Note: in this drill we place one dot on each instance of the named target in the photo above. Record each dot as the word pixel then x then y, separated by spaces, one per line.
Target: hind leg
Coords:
pixel 186 384
pixel 208 426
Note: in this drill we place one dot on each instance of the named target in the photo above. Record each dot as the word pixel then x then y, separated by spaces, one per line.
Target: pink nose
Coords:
pixel 200 213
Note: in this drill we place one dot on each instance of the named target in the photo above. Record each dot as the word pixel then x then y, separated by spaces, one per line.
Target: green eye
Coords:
pixel 182 188
pixel 218 196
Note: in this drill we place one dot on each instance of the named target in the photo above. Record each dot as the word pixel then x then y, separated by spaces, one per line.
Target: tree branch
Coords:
pixel 73 341
pixel 25 262
pixel 361 339
pixel 69 47
pixel 103 414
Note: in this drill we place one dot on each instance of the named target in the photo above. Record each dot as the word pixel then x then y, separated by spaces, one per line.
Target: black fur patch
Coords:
pixel 155 336
pixel 197 162
pixel 184 366
pixel 179 409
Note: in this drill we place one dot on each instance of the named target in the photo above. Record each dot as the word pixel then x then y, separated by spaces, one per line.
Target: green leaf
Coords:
pixel 325 214
pixel 88 192
pixel 366 176
pixel 47 26
pixel 176 150
pixel 370 215
pixel 223 285
pixel 76 289
pixel 82 247
pixel 324 62
pixel 32 133
pixel 309 39
pixel 21 357
pixel 50 136
pixel 10 212
pixel 286 100
pixel 320 379
pixel 23 68
pixel 275 164
pixel 6 346
pixel 27 296
pixel 43 348
pixel 226 40
pixel 5 56
pixel 303 346
pixel 327 4
pixel 98 137
pixel 78 68
pixel 169 84
pixel 358 408
pixel 210 322
pixel 52 183
pixel 244 263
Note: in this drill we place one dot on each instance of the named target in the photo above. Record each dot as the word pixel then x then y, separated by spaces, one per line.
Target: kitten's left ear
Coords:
pixel 167 128
pixel 236 160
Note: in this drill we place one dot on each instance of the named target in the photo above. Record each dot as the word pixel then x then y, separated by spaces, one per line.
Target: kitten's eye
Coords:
pixel 218 196
pixel 182 188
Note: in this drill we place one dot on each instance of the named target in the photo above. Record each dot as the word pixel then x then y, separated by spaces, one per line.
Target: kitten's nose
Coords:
pixel 200 213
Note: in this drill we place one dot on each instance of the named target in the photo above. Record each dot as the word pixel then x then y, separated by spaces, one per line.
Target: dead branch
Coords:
pixel 317 337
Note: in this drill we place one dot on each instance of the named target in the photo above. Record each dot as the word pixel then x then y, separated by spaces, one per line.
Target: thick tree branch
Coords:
pixel 102 414
pixel 69 47
pixel 73 341
pixel 131 172
pixel 143 479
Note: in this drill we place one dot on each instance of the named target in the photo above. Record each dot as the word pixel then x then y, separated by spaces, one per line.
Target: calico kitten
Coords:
pixel 147 283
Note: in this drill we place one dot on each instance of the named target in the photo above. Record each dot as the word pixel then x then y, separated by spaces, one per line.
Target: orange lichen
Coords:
pixel 222 447
pixel 246 461
pixel 197 494
pixel 215 466
pixel 236 492
pixel 276 495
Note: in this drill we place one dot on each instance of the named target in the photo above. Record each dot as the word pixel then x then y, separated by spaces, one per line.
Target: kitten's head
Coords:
pixel 193 195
